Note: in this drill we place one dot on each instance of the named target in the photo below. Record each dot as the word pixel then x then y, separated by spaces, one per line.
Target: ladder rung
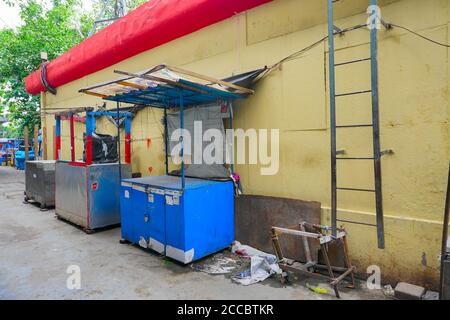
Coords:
pixel 355 158
pixel 354 222
pixel 351 61
pixel 355 189
pixel 355 126
pixel 352 93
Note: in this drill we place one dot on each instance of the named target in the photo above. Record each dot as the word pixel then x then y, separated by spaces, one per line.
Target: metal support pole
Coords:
pixel 230 105
pixel 89 130
pixel 127 139
pixel 25 138
pixel 36 142
pixel 57 137
pixel 444 238
pixel 376 132
pixel 183 182
pixel 332 116
pixel 165 141
pixel 118 141
pixel 72 137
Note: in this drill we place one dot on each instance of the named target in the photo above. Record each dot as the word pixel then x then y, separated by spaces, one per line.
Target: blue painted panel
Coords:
pixel 175 229
pixel 189 225
pixel 157 216
pixel 139 216
pixel 126 207
pixel 170 182
pixel 103 189
pixel 209 219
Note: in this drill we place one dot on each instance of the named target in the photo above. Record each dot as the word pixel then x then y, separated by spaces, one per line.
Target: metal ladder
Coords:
pixel 377 153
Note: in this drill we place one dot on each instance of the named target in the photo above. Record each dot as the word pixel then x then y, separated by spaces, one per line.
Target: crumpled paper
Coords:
pixel 262 265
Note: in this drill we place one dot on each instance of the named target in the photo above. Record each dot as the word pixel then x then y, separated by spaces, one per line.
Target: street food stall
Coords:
pixel 182 217
pixel 87 190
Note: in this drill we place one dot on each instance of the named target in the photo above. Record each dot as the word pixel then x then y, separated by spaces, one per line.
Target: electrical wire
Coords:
pixel 306 49
pixel 418 34
pixel 313 45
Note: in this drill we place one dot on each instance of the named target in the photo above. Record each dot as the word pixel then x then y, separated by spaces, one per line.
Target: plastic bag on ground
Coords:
pixel 262 265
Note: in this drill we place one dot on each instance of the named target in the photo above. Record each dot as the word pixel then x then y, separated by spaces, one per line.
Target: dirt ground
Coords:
pixel 36 250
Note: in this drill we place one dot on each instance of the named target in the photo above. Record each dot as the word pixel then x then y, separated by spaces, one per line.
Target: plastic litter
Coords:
pixel 262 265
pixel 388 291
pixel 219 264
pixel 318 290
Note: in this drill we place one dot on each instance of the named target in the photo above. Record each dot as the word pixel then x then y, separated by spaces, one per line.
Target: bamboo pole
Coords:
pixel 25 138
pixel 54 144
pixel 36 142
pixel 44 143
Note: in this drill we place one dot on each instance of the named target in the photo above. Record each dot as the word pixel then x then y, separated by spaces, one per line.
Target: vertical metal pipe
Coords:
pixel 118 141
pixel 36 142
pixel 376 132
pixel 128 139
pixel 44 143
pixel 183 182
pixel 72 137
pixel 166 139
pixel 332 116
pixel 444 238
pixel 25 140
pixel 57 137
pixel 230 104
pixel 88 145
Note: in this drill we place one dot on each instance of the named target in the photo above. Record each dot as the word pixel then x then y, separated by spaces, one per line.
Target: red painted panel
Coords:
pixel 154 23
pixel 127 148
pixel 88 150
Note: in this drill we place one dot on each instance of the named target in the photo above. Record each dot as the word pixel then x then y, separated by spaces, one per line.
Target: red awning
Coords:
pixel 152 24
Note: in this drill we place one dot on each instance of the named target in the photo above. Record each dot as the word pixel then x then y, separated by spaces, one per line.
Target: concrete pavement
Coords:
pixel 36 250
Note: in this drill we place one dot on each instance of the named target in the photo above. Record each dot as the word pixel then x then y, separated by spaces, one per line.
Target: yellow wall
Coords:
pixel 414 115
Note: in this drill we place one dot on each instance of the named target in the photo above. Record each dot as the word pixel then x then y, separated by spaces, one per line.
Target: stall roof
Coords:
pixel 163 86
pixel 152 24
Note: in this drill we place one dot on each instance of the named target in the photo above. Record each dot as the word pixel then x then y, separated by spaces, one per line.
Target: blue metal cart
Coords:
pixel 181 217
pixel 184 225
pixel 87 193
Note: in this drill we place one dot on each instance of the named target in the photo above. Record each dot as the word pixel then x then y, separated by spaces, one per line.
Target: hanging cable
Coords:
pixel 390 25
pixel 302 51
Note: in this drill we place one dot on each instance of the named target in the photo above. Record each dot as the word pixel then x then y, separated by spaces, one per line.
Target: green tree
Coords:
pixel 52 26
pixel 53 30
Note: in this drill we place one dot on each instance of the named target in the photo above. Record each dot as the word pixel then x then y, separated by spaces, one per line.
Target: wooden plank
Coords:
pixel 44 143
pixel 342 276
pixel 95 94
pixel 296 233
pixel 25 138
pixel 210 79
pixel 131 84
pixel 54 142
pixel 158 79
pixel 71 111
pixel 36 142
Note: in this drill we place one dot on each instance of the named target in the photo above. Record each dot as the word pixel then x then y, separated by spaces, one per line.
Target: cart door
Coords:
pixel 139 216
pixel 175 228
pixel 156 224
pixel 126 210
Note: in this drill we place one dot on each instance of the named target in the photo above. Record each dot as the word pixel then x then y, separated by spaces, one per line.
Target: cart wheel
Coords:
pixel 89 231
pixel 124 241
pixel 43 207
pixel 25 200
